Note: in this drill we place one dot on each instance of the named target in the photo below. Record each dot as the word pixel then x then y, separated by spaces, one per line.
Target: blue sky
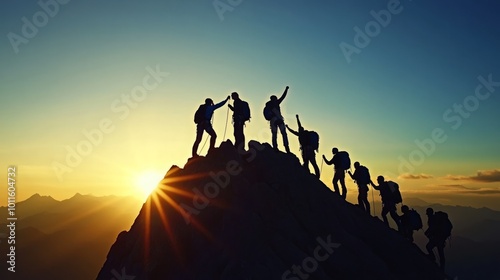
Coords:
pixel 427 58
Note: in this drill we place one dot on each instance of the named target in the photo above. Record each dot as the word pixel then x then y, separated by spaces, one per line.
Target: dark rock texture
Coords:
pixel 257 215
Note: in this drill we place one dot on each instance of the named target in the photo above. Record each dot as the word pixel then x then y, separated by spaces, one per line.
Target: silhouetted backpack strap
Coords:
pixel 442 225
pixel 245 111
pixel 415 220
pixel 313 138
pixel 364 175
pixel 394 192
pixel 200 114
pixel 344 162
pixel 268 111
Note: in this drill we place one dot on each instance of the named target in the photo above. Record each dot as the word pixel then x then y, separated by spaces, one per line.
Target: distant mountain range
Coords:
pixel 70 239
pixel 65 239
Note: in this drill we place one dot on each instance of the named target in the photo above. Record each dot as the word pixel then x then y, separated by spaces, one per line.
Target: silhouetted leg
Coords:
pixel 305 159
pixel 363 199
pixel 385 210
pixel 213 135
pixel 285 136
pixel 314 164
pixel 243 135
pixel 274 133
pixel 440 248
pixel 360 202
pixel 430 245
pixel 342 183
pixel 336 182
pixel 395 217
pixel 239 137
pixel 199 135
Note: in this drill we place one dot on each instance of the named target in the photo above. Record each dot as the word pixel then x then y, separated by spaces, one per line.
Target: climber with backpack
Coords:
pixel 362 178
pixel 410 221
pixel 272 113
pixel 241 114
pixel 341 163
pixel 438 231
pixel 309 143
pixel 390 195
pixel 202 119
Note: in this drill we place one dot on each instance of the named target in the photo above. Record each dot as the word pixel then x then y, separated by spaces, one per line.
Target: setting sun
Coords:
pixel 146 182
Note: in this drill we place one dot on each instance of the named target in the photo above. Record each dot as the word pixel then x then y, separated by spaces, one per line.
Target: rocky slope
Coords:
pixel 257 215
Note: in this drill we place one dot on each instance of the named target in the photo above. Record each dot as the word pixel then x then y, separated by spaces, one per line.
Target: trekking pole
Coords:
pixel 321 169
pixel 211 121
pixel 206 139
pixel 225 128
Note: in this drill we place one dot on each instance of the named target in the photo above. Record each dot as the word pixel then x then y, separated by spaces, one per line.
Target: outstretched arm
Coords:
pixel 220 104
pixel 292 131
pixel 298 122
pixel 329 162
pixel 283 95
pixel 375 186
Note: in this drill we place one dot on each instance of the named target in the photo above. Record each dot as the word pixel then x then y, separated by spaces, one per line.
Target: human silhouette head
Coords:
pixel 274 98
pixel 209 101
pixel 405 208
pixel 356 164
pixel 335 150
pixel 380 179
pixel 429 211
pixel 235 96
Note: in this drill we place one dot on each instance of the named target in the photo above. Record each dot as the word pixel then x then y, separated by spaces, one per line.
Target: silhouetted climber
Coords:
pixel 309 142
pixel 362 177
pixel 439 229
pixel 202 119
pixel 341 163
pixel 241 114
pixel 406 223
pixel 272 113
pixel 388 200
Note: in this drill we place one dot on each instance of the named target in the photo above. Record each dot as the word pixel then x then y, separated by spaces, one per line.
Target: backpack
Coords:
pixel 200 114
pixel 364 175
pixel 268 111
pixel 245 111
pixel 394 192
pixel 344 162
pixel 442 225
pixel 415 220
pixel 313 139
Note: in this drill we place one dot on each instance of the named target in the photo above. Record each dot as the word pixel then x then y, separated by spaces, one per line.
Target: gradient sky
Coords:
pixel 79 67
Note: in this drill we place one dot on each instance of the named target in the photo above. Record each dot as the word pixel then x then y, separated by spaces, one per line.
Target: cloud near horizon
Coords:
pixel 415 176
pixel 461 189
pixel 485 176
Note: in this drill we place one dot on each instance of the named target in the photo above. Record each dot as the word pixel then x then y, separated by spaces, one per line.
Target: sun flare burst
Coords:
pixel 146 182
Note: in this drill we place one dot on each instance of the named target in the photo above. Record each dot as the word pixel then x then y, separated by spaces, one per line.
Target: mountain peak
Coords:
pixel 258 214
pixel 38 197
